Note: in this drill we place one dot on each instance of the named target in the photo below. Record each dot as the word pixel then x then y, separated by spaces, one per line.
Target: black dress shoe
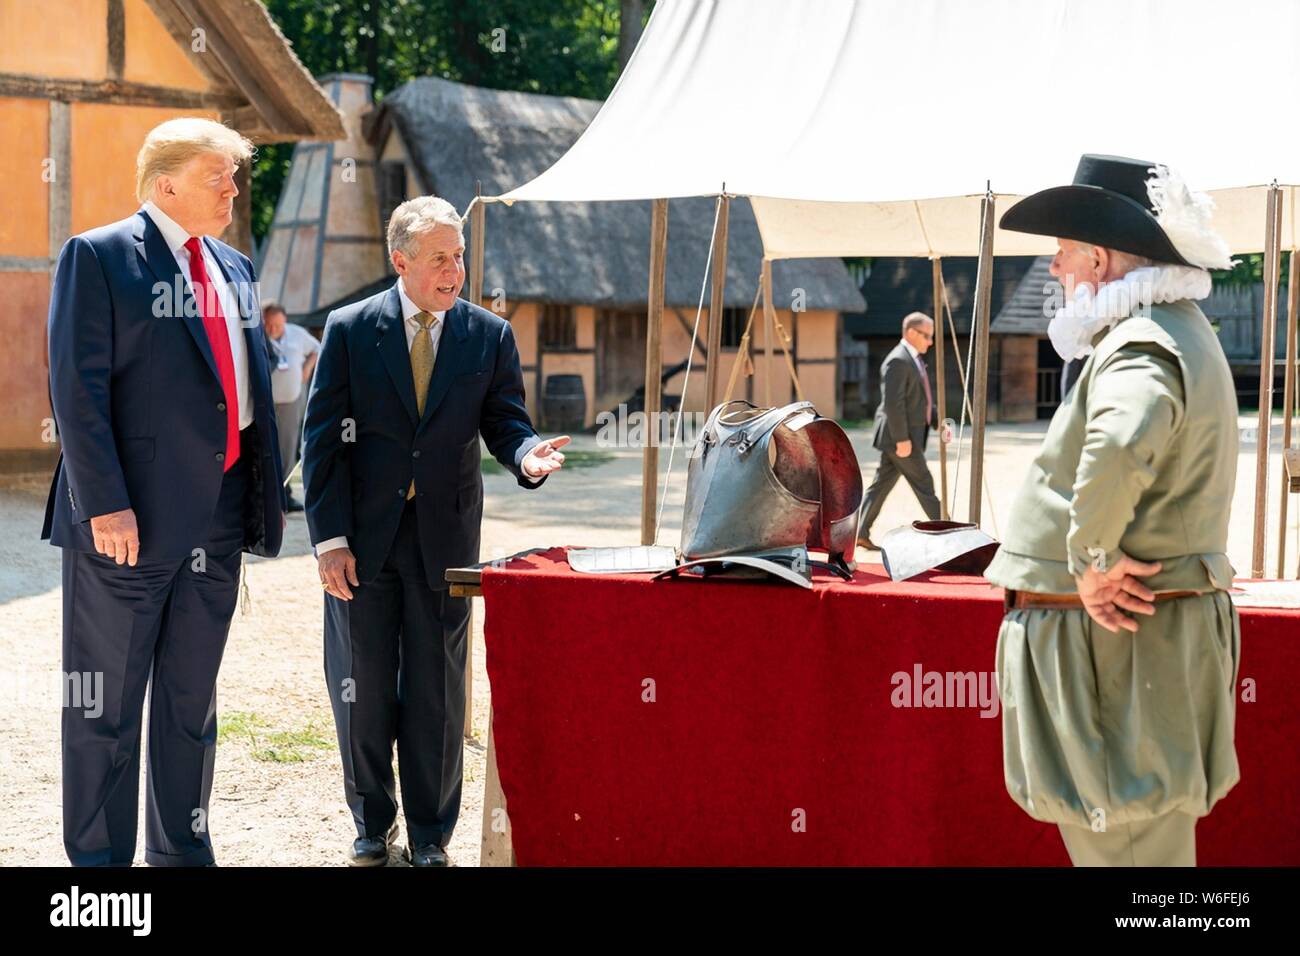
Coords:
pixel 294 504
pixel 371 851
pixel 429 855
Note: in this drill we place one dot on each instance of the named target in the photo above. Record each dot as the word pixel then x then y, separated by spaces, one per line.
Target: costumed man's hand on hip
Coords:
pixel 337 569
pixel 116 536
pixel 903 449
pixel 545 457
pixel 1107 594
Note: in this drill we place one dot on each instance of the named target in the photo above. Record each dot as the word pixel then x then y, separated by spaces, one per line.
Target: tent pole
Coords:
pixel 1272 241
pixel 477 223
pixel 769 333
pixel 716 305
pixel 936 266
pixel 980 388
pixel 1288 402
pixel 653 368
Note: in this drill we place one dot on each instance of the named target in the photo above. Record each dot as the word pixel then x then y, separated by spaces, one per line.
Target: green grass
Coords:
pixel 572 459
pixel 271 745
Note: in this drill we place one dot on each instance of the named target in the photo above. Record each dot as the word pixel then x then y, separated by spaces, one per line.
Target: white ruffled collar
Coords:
pixel 1078 322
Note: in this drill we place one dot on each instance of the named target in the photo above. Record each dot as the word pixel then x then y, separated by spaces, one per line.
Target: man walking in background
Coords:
pixel 295 351
pixel 902 425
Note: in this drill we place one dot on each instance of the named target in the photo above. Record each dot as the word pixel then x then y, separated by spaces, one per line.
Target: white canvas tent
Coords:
pixel 872 127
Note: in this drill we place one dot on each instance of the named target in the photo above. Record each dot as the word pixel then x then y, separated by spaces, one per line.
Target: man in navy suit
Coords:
pixel 169 470
pixel 407 381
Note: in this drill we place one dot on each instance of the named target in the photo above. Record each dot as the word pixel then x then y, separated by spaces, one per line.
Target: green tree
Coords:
pixel 562 47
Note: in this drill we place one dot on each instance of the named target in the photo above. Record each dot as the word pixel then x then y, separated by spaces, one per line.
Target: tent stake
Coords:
pixel 1272 242
pixel 983 304
pixel 653 368
pixel 713 353
pixel 936 267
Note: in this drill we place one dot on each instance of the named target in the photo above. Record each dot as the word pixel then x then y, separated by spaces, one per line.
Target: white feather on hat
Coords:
pixel 1185 216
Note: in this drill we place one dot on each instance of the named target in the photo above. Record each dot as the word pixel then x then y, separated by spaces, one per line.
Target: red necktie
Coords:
pixel 214 323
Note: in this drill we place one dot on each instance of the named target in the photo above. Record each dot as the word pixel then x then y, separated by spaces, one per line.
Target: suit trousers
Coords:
pixel 160 624
pixel 914 469
pixel 1167 840
pixel 395 658
pixel 288 425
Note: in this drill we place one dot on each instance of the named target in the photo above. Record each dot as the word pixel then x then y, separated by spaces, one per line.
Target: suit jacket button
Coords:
pixel 401 491
pixel 221 406
pixel 416 453
pixel 221 456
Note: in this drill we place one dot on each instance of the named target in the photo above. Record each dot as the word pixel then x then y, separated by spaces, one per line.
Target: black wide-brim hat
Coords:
pixel 1107 205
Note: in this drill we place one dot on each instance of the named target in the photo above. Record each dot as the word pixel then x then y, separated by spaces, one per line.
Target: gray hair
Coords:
pixel 417 216
pixel 915 320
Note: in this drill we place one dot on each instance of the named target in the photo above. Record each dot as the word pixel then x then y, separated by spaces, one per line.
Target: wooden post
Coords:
pixel 1272 242
pixel 495 845
pixel 980 387
pixel 769 333
pixel 936 267
pixel 713 354
pixel 1288 402
pixel 477 223
pixel 653 368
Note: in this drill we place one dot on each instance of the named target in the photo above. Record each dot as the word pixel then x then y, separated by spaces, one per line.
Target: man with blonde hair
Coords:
pixel 169 470
pixel 407 381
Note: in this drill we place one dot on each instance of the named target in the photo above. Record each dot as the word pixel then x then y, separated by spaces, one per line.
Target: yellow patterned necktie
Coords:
pixel 421 368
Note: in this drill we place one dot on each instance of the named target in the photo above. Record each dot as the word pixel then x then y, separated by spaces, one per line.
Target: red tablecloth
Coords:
pixel 773 737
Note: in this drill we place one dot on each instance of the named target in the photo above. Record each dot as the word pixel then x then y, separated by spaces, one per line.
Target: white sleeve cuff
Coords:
pixel 331 544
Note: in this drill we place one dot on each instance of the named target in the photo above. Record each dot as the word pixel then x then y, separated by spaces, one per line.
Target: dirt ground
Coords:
pixel 277 794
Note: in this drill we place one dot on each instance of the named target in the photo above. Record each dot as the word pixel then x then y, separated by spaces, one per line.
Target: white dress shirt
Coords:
pixel 413 328
pixel 175 236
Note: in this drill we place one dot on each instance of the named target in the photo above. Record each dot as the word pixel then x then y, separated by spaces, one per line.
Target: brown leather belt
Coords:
pixel 1013 600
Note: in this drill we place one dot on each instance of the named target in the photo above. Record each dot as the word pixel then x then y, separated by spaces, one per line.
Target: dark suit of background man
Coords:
pixel 903 422
pixel 169 469
pixel 406 382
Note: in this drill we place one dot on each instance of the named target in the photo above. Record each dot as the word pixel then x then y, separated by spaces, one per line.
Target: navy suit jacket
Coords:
pixel 364 440
pixel 138 404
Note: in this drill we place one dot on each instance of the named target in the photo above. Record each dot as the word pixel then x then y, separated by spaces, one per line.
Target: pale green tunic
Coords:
pixel 1140 460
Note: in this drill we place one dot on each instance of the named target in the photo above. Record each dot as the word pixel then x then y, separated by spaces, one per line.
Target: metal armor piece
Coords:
pixel 936 546
pixel 761 479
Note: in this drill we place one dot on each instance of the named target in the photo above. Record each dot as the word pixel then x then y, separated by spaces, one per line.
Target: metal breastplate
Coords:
pixel 767 478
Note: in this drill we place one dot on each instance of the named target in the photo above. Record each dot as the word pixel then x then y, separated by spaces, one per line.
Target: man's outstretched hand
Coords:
pixel 545 457
pixel 1107 594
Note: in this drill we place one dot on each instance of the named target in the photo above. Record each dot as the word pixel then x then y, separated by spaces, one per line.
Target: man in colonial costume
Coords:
pixel 1118 653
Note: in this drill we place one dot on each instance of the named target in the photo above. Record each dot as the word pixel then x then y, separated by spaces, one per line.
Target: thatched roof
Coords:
pixel 898 286
pixel 589 253
pixel 246 54
pixel 1027 311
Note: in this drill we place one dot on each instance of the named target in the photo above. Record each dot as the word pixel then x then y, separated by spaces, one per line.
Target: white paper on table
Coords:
pixel 629 560
pixel 1266 593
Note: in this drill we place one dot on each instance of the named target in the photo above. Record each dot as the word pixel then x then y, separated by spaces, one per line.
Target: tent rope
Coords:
pixel 742 352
